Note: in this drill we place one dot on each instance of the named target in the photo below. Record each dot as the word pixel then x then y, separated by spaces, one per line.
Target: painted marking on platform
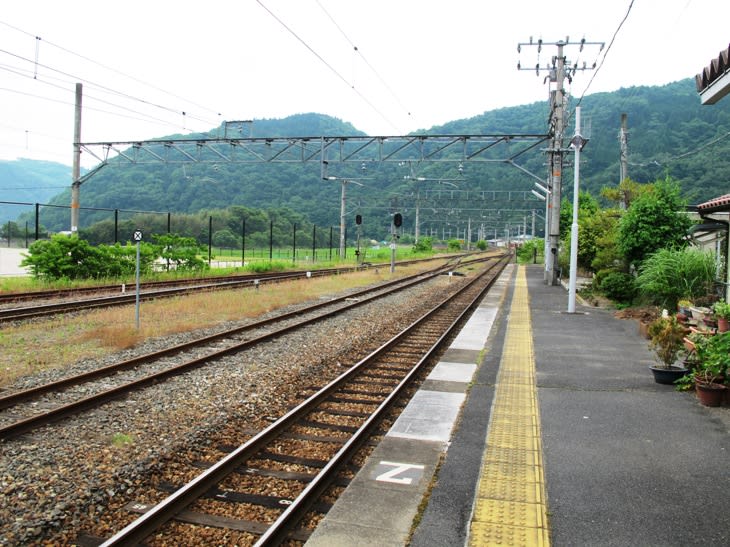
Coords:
pixel 511 503
pixel 399 473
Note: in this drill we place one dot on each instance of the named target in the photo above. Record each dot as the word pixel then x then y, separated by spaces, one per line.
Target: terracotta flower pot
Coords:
pixel 723 324
pixel 710 394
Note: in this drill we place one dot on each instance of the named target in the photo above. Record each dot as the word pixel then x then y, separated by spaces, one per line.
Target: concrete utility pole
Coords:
pixel 557 71
pixel 76 166
pixel 624 160
pixel 557 108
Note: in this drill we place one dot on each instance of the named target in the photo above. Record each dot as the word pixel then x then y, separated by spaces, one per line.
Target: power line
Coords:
pixel 104 88
pixel 329 66
pixel 106 67
pixel 603 59
pixel 360 54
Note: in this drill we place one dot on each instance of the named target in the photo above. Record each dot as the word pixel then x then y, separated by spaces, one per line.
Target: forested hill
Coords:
pixel 29 181
pixel 670 133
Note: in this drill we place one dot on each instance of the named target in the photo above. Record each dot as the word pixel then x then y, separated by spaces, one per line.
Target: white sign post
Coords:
pixel 137 237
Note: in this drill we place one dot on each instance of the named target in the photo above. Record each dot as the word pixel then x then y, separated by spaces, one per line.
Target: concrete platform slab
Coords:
pixel 453 372
pixel 429 416
pixel 379 506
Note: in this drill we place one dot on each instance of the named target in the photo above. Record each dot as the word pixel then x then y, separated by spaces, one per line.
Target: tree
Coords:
pixel 655 220
pixel 587 206
pixel 226 238
pixel 181 251
pixel 626 192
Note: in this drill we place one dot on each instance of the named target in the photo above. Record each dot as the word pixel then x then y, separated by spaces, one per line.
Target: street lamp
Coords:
pixel 577 143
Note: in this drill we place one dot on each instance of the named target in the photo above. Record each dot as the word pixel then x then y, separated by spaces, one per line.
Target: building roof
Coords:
pixel 713 83
pixel 715 205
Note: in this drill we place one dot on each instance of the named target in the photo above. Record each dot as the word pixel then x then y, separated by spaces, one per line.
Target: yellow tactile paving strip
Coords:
pixel 511 505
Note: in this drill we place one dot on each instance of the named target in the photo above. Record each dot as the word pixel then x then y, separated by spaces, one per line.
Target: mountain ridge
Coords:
pixel 670 133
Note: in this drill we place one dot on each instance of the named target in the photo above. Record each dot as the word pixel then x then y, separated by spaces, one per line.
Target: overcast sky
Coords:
pixel 389 67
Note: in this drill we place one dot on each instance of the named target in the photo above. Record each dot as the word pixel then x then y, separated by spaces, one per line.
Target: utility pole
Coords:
pixel 557 71
pixel 533 223
pixel 76 166
pixel 557 121
pixel 624 160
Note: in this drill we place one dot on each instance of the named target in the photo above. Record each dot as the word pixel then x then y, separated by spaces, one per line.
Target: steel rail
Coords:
pixel 43 310
pixel 20 396
pixel 23 426
pixel 60 293
pixel 145 525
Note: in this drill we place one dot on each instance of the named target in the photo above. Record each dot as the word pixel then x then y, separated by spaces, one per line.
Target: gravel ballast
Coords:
pixel 58 481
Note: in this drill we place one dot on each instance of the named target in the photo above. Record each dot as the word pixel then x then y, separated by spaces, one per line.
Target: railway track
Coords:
pixel 269 489
pixel 151 291
pixel 19 409
pixel 59 301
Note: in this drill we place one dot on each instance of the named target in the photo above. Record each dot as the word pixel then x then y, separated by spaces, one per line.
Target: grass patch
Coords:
pixel 60 342
pixel 120 440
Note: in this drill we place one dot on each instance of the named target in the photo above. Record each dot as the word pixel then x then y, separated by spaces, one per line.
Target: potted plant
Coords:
pixel 667 340
pixel 722 313
pixel 684 313
pixel 713 362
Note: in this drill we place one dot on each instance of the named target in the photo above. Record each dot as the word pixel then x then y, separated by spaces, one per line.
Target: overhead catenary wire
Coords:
pixel 105 88
pixel 111 69
pixel 328 65
pixel 358 51
pixel 608 48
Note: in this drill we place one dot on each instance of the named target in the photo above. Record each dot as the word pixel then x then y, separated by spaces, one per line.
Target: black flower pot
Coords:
pixel 667 375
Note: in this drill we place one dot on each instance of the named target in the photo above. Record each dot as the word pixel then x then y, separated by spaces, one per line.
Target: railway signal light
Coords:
pixel 397 220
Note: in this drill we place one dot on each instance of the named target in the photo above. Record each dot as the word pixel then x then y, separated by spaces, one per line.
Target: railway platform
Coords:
pixel 541 427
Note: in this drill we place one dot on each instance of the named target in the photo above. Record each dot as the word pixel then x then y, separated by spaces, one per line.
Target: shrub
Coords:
pixel 653 222
pixel 671 274
pixel 618 286
pixel 70 257
pixel 454 245
pixel 424 245
pixel 531 249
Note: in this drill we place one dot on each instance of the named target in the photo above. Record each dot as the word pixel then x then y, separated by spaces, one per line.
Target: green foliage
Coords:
pixel 266 266
pixel 596 234
pixel 604 227
pixel 667 335
pixel 482 245
pixel 531 250
pixel 618 286
pixel 665 121
pixel 713 356
pixel 180 251
pixel 587 206
pixel 454 245
pixel 69 257
pixel 653 221
pixel 624 193
pixel 671 274
pixel 721 309
pixel 424 245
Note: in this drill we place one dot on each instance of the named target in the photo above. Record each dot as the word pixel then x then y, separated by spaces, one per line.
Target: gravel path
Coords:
pixel 59 481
